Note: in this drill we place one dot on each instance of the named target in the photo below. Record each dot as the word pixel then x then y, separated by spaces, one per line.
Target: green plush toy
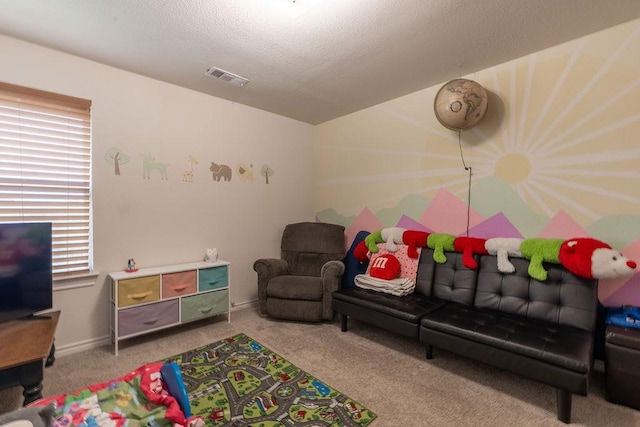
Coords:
pixel 538 251
pixel 372 241
pixel 440 242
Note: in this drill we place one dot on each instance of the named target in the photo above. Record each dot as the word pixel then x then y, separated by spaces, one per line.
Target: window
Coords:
pixel 45 170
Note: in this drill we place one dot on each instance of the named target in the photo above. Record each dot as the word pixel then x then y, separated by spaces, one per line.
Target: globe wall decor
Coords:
pixel 460 104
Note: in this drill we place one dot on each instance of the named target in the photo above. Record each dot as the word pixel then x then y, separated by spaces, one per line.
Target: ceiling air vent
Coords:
pixel 226 76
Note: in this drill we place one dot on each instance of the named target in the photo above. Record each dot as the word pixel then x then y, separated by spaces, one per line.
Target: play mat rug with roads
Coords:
pixel 239 382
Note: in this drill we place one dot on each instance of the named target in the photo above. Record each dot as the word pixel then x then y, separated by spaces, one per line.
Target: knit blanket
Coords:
pixel 399 287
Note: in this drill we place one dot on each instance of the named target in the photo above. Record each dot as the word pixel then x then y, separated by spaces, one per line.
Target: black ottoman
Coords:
pixel 622 366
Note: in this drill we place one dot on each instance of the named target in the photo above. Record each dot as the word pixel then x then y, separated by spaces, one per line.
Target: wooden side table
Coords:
pixel 26 345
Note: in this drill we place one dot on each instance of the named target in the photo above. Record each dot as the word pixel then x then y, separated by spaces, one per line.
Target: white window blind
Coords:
pixel 45 170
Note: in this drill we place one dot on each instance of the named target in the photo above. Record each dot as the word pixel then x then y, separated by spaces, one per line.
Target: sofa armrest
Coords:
pixel 267 269
pixel 331 274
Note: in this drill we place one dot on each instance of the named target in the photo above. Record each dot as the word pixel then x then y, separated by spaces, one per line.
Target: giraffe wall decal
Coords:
pixel 187 176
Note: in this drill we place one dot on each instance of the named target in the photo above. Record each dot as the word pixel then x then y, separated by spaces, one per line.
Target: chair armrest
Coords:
pixel 331 274
pixel 267 269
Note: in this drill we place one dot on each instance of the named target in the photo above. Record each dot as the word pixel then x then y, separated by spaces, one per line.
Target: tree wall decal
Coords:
pixel 266 171
pixel 114 156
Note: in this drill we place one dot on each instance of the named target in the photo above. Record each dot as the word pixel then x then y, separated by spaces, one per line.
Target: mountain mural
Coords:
pixel 448 214
pixel 492 195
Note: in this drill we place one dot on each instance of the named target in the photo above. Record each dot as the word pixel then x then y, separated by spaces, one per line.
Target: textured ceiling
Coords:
pixel 336 58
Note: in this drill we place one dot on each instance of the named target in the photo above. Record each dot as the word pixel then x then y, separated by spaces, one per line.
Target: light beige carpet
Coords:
pixel 386 373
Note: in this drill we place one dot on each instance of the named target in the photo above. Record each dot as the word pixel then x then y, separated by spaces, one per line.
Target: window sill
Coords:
pixel 73 282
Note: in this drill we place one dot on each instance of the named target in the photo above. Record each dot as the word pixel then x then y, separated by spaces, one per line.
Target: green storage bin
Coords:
pixel 204 305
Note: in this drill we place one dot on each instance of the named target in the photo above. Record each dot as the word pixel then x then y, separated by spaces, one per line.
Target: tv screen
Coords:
pixel 26 285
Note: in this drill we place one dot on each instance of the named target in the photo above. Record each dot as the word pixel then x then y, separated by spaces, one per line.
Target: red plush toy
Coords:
pixel 360 252
pixel 470 246
pixel 414 239
pixel 594 259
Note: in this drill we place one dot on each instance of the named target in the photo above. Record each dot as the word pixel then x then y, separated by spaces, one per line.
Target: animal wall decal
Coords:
pixel 219 172
pixel 187 175
pixel 149 164
pixel 583 256
pixel 245 172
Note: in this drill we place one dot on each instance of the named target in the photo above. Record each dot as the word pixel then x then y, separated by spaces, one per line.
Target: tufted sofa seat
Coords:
pixel 540 330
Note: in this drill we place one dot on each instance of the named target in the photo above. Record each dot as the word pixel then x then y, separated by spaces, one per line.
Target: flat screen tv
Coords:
pixel 26 284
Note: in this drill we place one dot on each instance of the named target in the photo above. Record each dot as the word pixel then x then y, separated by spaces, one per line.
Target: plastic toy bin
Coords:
pixel 622 366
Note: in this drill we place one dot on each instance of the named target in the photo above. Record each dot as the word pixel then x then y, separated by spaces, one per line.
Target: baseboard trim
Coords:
pixel 235 306
pixel 79 346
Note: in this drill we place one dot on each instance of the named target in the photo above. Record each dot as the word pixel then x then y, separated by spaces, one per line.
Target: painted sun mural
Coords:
pixel 556 154
pixel 570 139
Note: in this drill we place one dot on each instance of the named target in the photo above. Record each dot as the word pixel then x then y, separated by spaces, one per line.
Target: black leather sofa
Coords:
pixel 540 330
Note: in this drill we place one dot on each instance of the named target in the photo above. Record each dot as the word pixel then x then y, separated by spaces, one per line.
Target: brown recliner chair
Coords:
pixel 298 286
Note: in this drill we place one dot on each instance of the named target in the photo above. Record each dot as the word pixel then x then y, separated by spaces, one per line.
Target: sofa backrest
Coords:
pixel 561 299
pixel 450 281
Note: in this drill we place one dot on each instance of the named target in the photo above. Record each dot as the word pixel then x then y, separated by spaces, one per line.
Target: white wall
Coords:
pixel 161 222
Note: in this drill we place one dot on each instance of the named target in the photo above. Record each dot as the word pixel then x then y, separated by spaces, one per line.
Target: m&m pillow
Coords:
pixel 385 267
pixel 408 265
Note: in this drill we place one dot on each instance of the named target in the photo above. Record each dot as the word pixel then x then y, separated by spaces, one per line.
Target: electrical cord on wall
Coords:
pixel 467 168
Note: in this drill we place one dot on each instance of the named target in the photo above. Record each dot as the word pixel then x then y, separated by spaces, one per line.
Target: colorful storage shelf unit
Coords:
pixel 151 299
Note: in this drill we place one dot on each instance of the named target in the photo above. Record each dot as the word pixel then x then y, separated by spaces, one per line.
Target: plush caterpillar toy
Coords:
pixel 440 242
pixel 583 256
pixel 503 248
pixel 538 251
pixel 594 259
pixel 470 246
